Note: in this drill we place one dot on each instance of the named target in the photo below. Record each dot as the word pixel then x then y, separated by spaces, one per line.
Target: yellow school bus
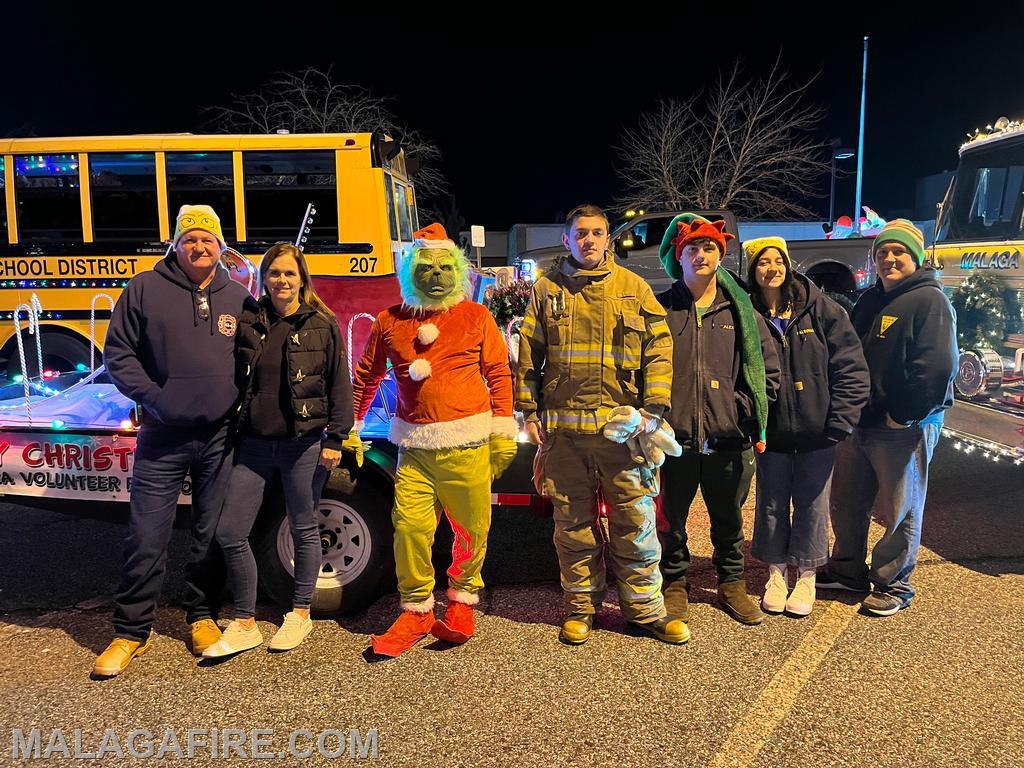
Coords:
pixel 80 216
pixel 980 230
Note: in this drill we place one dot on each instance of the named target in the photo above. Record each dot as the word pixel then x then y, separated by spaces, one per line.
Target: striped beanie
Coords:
pixel 906 234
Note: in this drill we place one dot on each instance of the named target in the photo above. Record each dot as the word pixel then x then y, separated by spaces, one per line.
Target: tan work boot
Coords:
pixel 737 603
pixel 576 628
pixel 205 633
pixel 673 631
pixel 118 655
pixel 677 600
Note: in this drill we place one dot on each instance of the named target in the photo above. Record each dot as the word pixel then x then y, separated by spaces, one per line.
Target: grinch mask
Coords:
pixel 434 279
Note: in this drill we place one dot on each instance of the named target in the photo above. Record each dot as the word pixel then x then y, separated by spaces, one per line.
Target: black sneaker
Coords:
pixel 883 604
pixel 826 580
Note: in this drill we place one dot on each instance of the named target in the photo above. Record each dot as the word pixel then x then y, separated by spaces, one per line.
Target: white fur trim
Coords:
pixel 458 433
pixel 419 369
pixel 505 426
pixel 458 596
pixel 424 244
pixel 425 607
pixel 427 333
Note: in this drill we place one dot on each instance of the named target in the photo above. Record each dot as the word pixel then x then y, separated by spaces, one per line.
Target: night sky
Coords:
pixel 527 119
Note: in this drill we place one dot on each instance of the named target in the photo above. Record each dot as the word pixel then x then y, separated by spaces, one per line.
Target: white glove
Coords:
pixel 623 423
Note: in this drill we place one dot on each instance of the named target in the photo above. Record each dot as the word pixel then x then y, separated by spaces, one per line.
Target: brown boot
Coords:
pixel 677 600
pixel 737 603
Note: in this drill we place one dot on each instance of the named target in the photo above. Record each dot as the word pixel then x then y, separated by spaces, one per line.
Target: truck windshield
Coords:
pixel 987 200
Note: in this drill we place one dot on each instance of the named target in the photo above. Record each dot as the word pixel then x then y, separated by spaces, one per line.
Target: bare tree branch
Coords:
pixel 745 145
pixel 310 101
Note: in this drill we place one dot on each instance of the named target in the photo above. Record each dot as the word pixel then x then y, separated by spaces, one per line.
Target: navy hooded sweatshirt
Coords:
pixel 172 352
pixel 909 338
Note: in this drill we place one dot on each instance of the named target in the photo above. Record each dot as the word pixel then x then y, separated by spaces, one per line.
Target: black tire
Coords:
pixel 61 352
pixel 357 540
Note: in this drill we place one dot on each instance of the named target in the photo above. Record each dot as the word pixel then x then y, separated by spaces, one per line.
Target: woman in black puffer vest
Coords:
pixel 295 412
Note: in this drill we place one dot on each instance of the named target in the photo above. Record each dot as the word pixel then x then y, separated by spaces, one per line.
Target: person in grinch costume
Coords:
pixel 454 428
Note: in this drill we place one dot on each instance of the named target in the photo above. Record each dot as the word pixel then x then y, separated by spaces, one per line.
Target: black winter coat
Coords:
pixel 825 380
pixel 712 408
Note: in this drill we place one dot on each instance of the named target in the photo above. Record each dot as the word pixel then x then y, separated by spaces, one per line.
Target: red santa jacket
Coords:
pixel 452 372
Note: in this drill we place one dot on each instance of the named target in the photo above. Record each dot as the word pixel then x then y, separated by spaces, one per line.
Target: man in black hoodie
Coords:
pixel 170 348
pixel 908 330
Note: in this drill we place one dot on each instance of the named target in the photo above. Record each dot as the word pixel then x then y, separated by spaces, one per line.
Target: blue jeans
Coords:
pixel 302 478
pixel 803 479
pixel 887 469
pixel 163 457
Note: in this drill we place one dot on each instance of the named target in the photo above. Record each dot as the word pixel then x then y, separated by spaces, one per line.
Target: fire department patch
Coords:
pixel 227 324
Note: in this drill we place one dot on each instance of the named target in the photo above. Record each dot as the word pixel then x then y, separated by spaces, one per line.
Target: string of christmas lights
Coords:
pixel 66 283
pixel 985 450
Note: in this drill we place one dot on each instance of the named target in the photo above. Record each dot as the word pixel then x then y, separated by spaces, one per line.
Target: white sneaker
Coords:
pixel 293 631
pixel 235 639
pixel 801 601
pixel 775 591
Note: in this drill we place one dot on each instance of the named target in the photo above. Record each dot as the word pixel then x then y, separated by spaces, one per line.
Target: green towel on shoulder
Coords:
pixel 750 345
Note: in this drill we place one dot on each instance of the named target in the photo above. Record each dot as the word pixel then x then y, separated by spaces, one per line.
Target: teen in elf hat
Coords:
pixel 725 374
pixel 454 428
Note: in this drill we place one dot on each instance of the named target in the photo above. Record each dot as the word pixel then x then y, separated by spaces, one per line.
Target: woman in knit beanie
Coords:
pixel 824 386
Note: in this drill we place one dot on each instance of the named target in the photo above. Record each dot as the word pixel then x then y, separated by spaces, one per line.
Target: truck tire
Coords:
pixel 356 538
pixel 61 352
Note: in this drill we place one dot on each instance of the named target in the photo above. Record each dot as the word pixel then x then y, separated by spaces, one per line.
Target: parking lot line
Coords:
pixel 774 703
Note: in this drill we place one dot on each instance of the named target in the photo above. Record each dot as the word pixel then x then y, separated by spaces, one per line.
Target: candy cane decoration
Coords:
pixel 21 353
pixel 37 312
pixel 351 352
pixel 92 326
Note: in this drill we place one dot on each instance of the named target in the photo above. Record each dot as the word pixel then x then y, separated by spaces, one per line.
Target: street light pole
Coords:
pixel 832 195
pixel 860 140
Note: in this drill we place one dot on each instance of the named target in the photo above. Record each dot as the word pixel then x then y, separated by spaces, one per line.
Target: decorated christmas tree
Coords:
pixel 980 312
pixel 510 302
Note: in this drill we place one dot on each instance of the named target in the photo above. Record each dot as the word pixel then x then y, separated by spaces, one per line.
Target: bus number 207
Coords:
pixel 362 263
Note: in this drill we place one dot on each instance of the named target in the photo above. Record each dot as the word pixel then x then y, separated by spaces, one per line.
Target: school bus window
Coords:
pixel 202 178
pixel 49 206
pixel 3 203
pixel 279 185
pixel 404 217
pixel 124 203
pixel 414 210
pixel 389 193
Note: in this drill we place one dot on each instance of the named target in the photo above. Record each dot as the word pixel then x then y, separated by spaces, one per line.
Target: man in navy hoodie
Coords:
pixel 170 348
pixel 908 330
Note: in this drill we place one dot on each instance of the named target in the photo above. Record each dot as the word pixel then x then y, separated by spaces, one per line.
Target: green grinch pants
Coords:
pixel 460 478
pixel 571 469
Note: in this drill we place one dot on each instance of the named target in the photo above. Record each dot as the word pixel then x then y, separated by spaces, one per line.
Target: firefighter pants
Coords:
pixel 571 469
pixel 460 478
